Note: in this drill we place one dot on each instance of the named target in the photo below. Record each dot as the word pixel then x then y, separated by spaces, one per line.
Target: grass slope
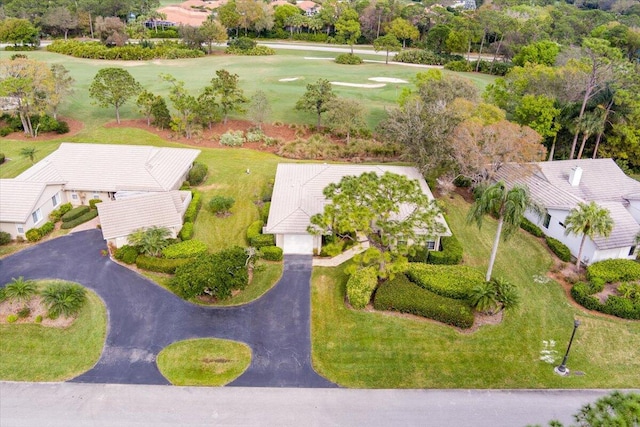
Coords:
pixel 365 349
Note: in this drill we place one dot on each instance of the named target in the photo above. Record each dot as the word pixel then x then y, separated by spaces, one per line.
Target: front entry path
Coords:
pixel 144 318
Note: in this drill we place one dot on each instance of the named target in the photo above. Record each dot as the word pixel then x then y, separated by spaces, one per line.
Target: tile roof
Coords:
pixel 120 218
pixel 297 193
pixel 104 167
pixel 18 199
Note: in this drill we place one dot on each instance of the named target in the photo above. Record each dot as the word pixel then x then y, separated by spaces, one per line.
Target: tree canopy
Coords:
pixel 113 87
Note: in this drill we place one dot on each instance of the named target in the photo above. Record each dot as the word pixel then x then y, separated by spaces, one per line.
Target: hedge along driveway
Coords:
pixel 144 318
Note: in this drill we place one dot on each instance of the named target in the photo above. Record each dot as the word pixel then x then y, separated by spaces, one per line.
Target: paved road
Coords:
pixel 144 318
pixel 71 405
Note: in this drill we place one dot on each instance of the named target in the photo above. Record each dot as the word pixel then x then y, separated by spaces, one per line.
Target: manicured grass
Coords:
pixel 30 352
pixel 204 362
pixel 263 280
pixel 369 349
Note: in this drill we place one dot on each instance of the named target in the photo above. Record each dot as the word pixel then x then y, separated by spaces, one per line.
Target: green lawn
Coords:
pixel 377 350
pixel 30 352
pixel 203 362
pixel 263 280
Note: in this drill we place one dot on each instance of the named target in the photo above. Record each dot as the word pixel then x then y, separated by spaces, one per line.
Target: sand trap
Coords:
pixel 289 79
pixel 366 86
pixel 387 80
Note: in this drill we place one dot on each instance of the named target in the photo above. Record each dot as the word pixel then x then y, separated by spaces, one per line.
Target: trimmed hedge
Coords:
pixel 33 235
pixel 186 249
pixel 160 265
pixel 263 240
pixel 256 51
pixel 186 232
pixel 450 254
pixel 531 228
pixel 93 203
pixel 360 287
pixel 254 230
pixel 560 249
pixel 5 238
pixel 191 213
pixel 96 50
pixel 126 254
pixel 452 281
pixel 348 59
pixel 47 228
pixel 271 253
pixel 56 214
pixel 264 211
pixel 616 306
pixel 2 157
pixel 80 220
pixel 426 57
pixel 401 295
pixel 74 213
pixel 614 270
pixel 197 173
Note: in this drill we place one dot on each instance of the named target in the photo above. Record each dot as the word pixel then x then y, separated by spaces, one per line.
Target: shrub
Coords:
pixel 33 235
pixel 5 238
pixel 426 57
pixel 80 220
pixel 264 211
pixel 197 173
pixel 12 318
pixel 461 65
pixel 63 298
pixel 332 249
pixel 271 253
pixel 560 249
pixel 160 265
pixel 242 43
pixel 630 291
pixel 47 228
pixel 348 59
pixel 220 204
pixel 24 312
pixel 254 230
pixel 256 51
pixel 56 214
pixel 263 240
pixel 186 249
pixel 126 254
pixel 194 207
pixel 2 157
pixel 3 294
pixel 617 306
pixel 93 203
pixel 499 68
pixel 614 270
pixel 96 50
pixel 186 232
pixel 446 280
pixel 360 287
pixel 20 289
pixel 38 319
pixel 255 135
pixel 531 228
pixel 74 213
pixel 450 254
pixel 401 295
pixel 232 138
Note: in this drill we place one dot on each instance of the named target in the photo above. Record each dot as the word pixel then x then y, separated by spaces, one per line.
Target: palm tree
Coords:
pixel 508 206
pixel 20 289
pixel 483 297
pixel 151 240
pixel 590 220
pixel 29 153
pixel 590 124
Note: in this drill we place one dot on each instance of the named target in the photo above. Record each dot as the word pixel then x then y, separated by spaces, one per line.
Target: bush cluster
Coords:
pixel 255 237
pixel 360 287
pixel 46 123
pixel 401 295
pixel 499 68
pixel 186 249
pixel 56 214
pixel 35 234
pixel 271 253
pixel 2 157
pixel 531 228
pixel 74 213
pixel 96 50
pixel 220 204
pixel 191 213
pixel 450 254
pixel 614 270
pixel 5 238
pixel 197 173
pixel 80 220
pixel 160 265
pixel 625 308
pixel 348 59
pixel 425 57
pixel 126 254
pixel 461 65
pixel 560 249
pixel 256 51
pixel 232 138
pixel 321 148
pixel 446 280
pixel 254 230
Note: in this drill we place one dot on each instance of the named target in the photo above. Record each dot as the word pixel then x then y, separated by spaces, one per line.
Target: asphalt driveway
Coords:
pixel 144 318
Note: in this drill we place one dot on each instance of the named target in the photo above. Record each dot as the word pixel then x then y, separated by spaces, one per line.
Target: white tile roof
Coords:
pixel 119 218
pixel 297 192
pixel 602 182
pixel 104 167
pixel 18 199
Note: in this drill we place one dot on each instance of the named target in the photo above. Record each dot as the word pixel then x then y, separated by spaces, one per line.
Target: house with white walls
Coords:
pixel 559 186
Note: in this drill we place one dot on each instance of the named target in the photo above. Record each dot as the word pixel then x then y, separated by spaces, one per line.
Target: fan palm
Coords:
pixel 64 299
pixel 151 240
pixel 20 289
pixel 483 297
pixel 590 220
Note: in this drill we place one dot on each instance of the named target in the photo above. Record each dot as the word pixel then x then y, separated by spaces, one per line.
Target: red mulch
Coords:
pixel 75 126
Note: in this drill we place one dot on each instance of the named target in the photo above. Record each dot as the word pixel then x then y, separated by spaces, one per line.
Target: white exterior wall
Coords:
pixel 317 243
pixel 119 242
pixel 45 204
pixel 84 196
pixel 634 209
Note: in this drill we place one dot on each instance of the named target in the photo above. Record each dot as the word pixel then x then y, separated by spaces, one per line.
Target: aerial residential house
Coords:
pixel 559 186
pixel 298 195
pixel 77 173
pixel 309 8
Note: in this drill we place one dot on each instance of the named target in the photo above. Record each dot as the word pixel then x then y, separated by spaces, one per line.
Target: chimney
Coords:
pixel 575 175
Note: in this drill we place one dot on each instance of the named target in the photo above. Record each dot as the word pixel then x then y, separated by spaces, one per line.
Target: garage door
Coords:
pixel 298 244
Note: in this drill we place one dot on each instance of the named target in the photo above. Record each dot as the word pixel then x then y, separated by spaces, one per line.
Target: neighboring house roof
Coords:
pixel 298 192
pixel 18 199
pixel 307 5
pixel 119 218
pixel 104 167
pixel 602 181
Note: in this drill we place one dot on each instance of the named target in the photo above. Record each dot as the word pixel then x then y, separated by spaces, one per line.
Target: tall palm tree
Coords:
pixel 508 205
pixel 590 124
pixel 29 153
pixel 590 220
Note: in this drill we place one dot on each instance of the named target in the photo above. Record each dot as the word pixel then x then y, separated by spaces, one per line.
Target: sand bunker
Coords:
pixel 289 79
pixel 387 80
pixel 366 86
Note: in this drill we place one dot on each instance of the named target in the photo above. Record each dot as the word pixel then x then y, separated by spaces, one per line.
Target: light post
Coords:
pixel 562 369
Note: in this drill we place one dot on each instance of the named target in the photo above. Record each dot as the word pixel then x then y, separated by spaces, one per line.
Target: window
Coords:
pixel 96 196
pixel 37 216
pixel 74 196
pixel 547 220
pixel 431 245
pixel 632 251
pixel 20 229
pixel 56 200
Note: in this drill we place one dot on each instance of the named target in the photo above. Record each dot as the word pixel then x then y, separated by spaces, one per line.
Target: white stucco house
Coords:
pixel 77 173
pixel 559 186
pixel 298 195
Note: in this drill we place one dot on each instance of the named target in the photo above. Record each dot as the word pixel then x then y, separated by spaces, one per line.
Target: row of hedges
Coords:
pixel 425 57
pixel 43 123
pixel 256 238
pixel 401 295
pixel 446 280
pixel 36 234
pixel 319 147
pixel 614 270
pixel 271 253
pixel 614 305
pixel 56 214
pixel 80 220
pixel 560 249
pixel 96 50
pixel 531 228
pixel 486 67
pixel 185 249
pixel 256 51
pixel 360 287
pixel 126 254
pixel 75 213
pixel 451 253
pixel 190 215
pixel 161 265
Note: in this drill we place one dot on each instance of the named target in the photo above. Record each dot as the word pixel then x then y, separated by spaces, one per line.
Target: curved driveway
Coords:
pixel 144 318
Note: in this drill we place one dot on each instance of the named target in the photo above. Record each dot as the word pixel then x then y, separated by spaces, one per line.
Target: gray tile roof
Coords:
pixel 602 182
pixel 104 167
pixel 120 218
pixel 18 199
pixel 297 193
